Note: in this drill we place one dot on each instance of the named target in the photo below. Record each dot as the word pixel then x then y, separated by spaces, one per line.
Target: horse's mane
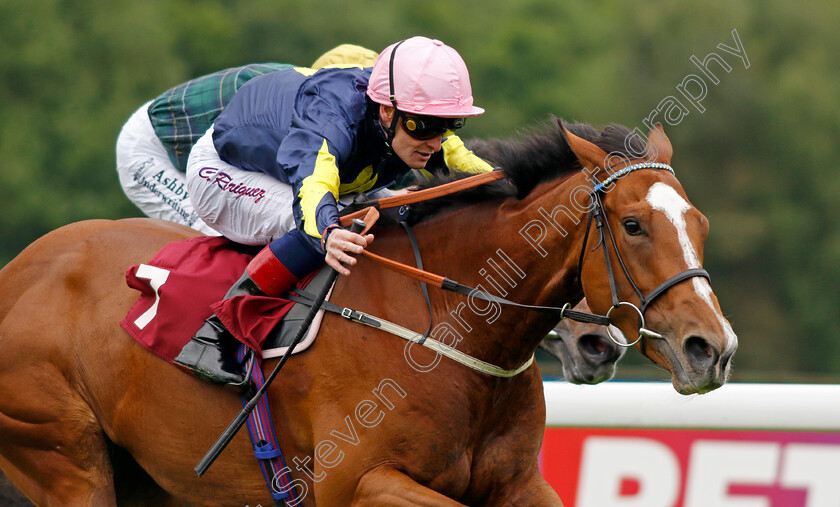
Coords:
pixel 536 155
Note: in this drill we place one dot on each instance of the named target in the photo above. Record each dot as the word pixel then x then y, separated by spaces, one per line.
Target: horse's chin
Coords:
pixel 557 348
pixel 713 380
pixel 590 376
pixel 578 377
pixel 685 379
pixel 687 387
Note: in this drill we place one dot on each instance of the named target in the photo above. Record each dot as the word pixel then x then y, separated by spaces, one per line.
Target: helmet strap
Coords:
pixel 390 130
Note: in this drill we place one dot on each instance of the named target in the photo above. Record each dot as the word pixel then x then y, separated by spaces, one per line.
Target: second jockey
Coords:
pixel 154 143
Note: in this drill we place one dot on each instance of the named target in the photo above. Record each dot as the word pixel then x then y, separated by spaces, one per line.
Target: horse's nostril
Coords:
pixel 596 346
pixel 700 352
pixel 727 355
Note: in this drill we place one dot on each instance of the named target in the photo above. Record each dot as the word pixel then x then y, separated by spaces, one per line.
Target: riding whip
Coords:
pixel 236 424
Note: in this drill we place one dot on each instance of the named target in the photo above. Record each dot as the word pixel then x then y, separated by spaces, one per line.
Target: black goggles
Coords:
pixel 428 127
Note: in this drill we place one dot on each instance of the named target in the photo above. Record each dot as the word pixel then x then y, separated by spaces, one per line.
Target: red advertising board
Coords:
pixel 605 467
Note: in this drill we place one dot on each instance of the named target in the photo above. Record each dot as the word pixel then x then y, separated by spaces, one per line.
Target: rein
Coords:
pixel 596 214
pixel 370 216
pixel 444 283
pixel 422 195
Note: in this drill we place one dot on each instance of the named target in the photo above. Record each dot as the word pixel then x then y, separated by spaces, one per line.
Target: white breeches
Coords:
pixel 248 207
pixel 148 177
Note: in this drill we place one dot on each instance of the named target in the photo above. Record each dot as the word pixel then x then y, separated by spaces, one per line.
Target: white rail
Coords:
pixel 804 407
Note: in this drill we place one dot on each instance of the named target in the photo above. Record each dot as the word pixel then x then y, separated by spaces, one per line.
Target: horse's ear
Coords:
pixel 659 146
pixel 588 154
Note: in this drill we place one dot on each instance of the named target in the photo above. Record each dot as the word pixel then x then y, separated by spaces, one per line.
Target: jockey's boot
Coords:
pixel 211 353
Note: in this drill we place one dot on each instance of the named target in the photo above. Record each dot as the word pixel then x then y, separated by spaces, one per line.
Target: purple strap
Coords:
pixel 264 439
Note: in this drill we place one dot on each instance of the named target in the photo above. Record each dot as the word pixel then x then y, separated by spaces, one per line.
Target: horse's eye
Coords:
pixel 632 227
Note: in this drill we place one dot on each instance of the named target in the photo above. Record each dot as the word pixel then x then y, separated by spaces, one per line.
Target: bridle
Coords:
pixel 602 225
pixel 596 214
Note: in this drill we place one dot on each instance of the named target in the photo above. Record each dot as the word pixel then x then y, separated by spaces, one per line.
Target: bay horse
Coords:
pixel 587 352
pixel 88 417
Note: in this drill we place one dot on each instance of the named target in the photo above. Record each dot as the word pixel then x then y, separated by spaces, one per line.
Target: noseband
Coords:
pixel 598 215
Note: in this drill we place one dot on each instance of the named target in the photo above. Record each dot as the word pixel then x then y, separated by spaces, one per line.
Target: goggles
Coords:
pixel 427 127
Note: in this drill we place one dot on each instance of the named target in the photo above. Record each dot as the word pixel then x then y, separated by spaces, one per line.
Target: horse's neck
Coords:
pixel 525 251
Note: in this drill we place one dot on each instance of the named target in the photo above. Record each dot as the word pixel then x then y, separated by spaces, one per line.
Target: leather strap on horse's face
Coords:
pixel 598 215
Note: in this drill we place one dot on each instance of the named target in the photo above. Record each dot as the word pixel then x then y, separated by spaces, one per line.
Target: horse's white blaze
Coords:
pixel 664 198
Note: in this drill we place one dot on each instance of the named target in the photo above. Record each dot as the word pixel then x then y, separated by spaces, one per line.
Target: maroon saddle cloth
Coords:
pixel 185 283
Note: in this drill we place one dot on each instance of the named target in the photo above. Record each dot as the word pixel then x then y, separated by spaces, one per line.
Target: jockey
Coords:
pixel 290 144
pixel 154 144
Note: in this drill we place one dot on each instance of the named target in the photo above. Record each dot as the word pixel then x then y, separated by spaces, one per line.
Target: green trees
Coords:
pixel 759 161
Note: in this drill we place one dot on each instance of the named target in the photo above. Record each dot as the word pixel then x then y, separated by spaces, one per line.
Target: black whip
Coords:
pixel 236 424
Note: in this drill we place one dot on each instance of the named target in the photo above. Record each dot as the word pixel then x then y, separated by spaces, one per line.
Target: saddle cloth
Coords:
pixel 185 283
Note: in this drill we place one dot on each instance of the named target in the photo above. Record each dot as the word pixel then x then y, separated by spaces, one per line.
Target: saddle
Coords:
pixel 185 283
pixel 281 338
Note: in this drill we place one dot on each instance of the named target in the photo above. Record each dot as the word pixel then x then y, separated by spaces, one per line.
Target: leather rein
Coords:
pixel 596 213
pixel 371 213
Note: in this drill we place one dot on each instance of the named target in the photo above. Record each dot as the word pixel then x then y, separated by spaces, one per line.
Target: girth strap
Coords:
pixel 307 299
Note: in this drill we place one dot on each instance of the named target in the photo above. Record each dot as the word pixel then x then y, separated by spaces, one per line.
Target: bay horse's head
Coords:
pixel 642 264
pixel 588 352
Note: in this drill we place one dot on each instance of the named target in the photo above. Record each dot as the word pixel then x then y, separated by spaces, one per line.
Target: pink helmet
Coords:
pixel 427 78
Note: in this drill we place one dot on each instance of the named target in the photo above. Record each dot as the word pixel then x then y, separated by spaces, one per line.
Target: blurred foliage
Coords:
pixel 760 161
